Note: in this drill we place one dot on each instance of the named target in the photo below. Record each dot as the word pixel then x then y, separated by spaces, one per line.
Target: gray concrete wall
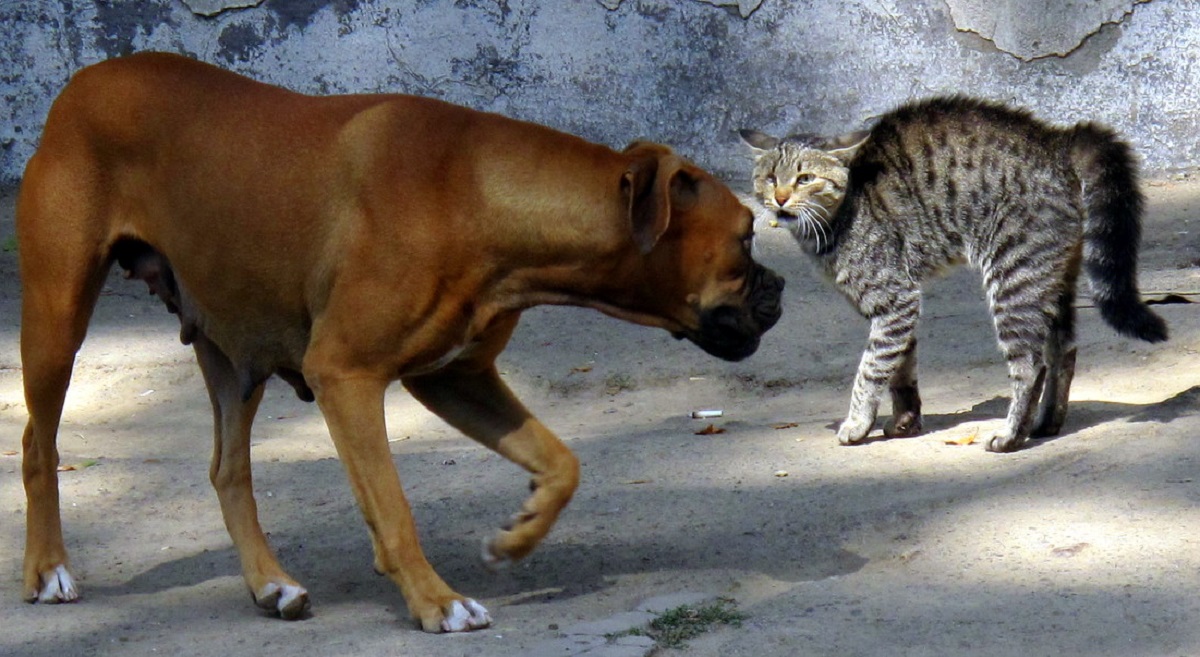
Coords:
pixel 685 72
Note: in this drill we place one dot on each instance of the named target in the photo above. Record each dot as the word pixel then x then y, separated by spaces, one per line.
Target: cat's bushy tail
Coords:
pixel 1112 230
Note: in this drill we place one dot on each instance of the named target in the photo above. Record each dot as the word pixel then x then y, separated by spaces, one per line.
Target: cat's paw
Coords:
pixel 904 425
pixel 1005 441
pixel 852 433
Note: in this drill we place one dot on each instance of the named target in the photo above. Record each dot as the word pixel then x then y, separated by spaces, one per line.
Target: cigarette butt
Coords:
pixel 704 415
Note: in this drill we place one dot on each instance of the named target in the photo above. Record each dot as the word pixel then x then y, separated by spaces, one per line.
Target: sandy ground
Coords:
pixel 1082 545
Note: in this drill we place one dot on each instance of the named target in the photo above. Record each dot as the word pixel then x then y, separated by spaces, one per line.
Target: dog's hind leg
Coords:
pixel 63 264
pixel 233 415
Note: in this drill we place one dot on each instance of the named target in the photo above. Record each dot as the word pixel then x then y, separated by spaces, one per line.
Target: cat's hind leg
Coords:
pixel 889 360
pixel 1024 296
pixel 906 400
pixel 1060 368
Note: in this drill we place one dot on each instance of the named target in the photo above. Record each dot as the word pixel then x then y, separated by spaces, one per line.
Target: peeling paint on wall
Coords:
pixel 240 42
pixel 119 24
pixel 745 7
pixel 1032 30
pixel 688 74
pixel 214 7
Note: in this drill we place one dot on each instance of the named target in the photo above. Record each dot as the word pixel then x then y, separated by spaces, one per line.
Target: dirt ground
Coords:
pixel 1087 544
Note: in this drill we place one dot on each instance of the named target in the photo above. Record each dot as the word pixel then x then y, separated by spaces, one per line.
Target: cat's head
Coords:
pixel 802 176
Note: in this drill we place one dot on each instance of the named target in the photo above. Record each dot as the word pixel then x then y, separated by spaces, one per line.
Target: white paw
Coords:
pixel 466 615
pixel 1004 442
pixel 851 432
pixel 288 600
pixel 57 586
pixel 491 560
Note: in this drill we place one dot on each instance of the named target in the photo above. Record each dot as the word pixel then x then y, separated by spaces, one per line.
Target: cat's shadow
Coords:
pixel 1080 415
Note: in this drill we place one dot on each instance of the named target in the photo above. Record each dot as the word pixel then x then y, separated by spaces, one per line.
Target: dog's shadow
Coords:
pixel 1080 415
pixel 336 570
pixel 604 537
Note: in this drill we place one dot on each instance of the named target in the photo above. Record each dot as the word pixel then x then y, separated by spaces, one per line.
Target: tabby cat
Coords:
pixel 954 180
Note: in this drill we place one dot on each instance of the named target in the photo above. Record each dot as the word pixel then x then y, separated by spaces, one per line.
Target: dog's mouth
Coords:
pixel 733 332
pixel 729 347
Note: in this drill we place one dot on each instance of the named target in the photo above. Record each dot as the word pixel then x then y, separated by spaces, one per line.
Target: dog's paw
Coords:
pixel 466 615
pixel 290 601
pixel 491 559
pixel 55 586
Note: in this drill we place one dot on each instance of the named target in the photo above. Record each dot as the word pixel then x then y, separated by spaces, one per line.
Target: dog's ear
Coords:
pixel 653 179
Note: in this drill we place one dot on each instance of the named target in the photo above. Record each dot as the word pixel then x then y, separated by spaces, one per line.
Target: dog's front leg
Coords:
pixel 353 410
pixel 474 400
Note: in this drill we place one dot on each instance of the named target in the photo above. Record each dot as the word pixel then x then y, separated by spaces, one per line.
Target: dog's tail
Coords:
pixel 1112 230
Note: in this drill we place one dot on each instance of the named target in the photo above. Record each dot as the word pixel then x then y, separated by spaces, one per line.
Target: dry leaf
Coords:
pixel 968 439
pixel 10 453
pixel 1069 551
pixel 785 425
pixel 152 461
pixel 634 482
pixel 781 473
pixel 582 369
pixel 710 430
pixel 66 468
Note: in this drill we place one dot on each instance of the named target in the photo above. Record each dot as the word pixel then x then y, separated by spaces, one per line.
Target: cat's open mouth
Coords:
pixel 785 219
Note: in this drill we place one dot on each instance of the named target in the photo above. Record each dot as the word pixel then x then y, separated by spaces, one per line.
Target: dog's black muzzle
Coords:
pixel 732 332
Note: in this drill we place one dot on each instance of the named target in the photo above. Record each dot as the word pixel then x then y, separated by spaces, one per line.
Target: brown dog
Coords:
pixel 343 243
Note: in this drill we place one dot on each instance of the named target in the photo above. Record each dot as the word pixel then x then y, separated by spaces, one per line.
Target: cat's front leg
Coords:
pixel 889 359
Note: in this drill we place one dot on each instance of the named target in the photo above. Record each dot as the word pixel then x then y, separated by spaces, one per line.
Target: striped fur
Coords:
pixel 955 180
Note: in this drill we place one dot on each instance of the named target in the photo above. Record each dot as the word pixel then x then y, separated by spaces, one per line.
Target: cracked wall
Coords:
pixel 1029 29
pixel 685 72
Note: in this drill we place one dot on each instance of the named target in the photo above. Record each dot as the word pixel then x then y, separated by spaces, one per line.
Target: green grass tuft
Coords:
pixel 674 627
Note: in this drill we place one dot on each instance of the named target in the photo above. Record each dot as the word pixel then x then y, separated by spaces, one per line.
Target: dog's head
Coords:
pixel 694 238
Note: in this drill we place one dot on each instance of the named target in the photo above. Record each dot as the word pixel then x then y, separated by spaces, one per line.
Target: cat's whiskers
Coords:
pixel 815 225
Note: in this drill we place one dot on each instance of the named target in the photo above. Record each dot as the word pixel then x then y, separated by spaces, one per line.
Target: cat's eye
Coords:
pixel 771 179
pixel 805 178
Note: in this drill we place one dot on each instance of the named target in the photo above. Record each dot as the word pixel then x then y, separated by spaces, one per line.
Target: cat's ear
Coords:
pixel 845 147
pixel 650 183
pixel 757 140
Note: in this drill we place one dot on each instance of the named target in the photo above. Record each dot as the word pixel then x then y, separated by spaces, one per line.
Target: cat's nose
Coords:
pixel 782 194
